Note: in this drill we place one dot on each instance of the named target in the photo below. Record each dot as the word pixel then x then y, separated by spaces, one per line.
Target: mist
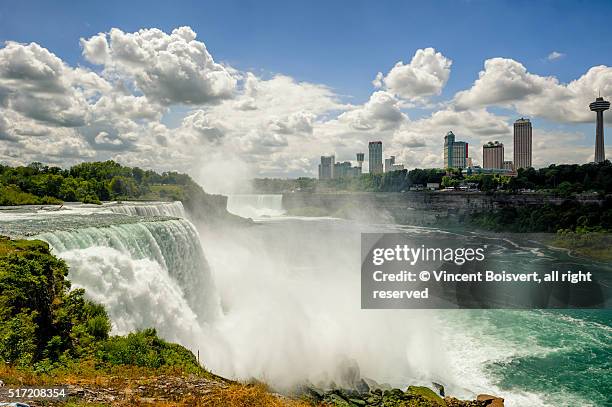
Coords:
pixel 222 173
pixel 290 298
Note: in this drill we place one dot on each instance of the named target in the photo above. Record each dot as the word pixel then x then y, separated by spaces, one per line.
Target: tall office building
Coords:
pixel 493 155
pixel 375 157
pixel 455 152
pixel 326 168
pixel 522 143
pixel 599 106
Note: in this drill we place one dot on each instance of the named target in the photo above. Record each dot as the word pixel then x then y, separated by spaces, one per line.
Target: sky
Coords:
pixel 264 88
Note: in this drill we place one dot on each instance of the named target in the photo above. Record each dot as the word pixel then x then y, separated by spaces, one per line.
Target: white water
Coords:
pixel 255 206
pixel 146 274
pixel 174 209
pixel 289 294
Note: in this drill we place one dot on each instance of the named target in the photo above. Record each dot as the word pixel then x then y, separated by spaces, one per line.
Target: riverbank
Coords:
pixel 133 386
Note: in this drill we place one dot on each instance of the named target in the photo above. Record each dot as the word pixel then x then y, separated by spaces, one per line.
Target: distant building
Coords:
pixel 391 166
pixel 329 169
pixel 599 106
pixel 344 170
pixel 455 152
pixel 522 143
pixel 493 155
pixel 326 168
pixel 375 157
pixel 360 157
pixel 508 165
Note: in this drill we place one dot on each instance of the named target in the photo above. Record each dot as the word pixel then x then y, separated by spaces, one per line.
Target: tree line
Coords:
pixel 564 180
pixel 90 182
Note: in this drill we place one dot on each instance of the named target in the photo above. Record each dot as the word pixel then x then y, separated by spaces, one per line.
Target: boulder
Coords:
pixel 491 401
pixel 439 387
pixel 427 394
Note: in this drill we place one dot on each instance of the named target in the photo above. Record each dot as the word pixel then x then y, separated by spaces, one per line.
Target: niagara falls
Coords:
pixel 256 302
pixel 305 203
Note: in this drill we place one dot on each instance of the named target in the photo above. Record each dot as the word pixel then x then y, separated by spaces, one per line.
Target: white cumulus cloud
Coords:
pixel 507 83
pixel 425 75
pixel 169 68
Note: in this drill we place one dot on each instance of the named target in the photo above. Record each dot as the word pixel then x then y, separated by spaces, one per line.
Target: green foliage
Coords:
pixel 427 394
pixel 94 182
pixel 12 195
pixel 570 215
pixel 40 318
pixel 586 241
pixel 145 349
pixel 395 181
pixel 17 338
pixel 566 179
pixel 44 325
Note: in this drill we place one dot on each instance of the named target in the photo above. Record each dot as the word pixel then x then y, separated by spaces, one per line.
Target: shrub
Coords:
pixel 144 348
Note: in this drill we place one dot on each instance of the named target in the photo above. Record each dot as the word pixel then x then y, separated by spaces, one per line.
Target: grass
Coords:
pixel 11 195
pixel 243 395
pixel 592 245
pixel 123 379
pixel 8 246
pixel 164 192
pixel 86 372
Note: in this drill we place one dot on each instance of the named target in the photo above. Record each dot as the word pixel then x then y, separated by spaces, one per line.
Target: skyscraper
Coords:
pixel 522 143
pixel 455 152
pixel 326 168
pixel 493 155
pixel 599 106
pixel 375 160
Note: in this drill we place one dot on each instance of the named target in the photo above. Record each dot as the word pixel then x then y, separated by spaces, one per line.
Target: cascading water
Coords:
pixel 142 263
pixel 174 209
pixel 255 205
pixel 173 244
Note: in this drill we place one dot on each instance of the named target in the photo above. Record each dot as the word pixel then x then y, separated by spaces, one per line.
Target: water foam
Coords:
pixel 171 244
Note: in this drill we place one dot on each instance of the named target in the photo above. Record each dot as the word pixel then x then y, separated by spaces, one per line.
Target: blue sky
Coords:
pixel 342 45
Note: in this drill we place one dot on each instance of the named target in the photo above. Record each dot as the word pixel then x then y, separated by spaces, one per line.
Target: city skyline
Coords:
pixel 456 153
pixel 177 84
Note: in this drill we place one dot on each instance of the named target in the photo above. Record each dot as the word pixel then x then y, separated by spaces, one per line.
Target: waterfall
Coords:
pixel 255 206
pixel 147 274
pixel 174 209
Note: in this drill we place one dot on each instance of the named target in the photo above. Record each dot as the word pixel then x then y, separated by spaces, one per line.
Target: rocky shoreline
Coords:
pixel 195 390
pixel 413 396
